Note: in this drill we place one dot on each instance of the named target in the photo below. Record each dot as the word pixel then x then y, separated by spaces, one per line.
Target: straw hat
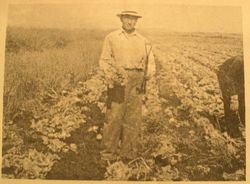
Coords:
pixel 131 13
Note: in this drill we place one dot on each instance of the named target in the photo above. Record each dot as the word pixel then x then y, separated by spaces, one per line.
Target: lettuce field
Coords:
pixel 54 109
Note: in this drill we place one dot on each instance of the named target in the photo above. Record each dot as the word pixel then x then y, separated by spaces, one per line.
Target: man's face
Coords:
pixel 128 22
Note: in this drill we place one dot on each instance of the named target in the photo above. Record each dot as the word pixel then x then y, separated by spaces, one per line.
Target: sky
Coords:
pixel 181 18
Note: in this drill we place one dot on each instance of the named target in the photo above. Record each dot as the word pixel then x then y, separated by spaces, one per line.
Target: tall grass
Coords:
pixel 37 60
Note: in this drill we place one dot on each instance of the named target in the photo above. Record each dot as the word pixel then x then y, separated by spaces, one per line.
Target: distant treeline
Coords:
pixel 40 39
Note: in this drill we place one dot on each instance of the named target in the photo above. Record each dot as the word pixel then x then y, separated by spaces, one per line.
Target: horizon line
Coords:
pixel 111 28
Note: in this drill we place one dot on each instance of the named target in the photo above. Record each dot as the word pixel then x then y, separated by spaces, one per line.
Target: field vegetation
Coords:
pixel 54 109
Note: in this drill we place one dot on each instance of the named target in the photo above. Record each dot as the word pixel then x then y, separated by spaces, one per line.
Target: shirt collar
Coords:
pixel 122 31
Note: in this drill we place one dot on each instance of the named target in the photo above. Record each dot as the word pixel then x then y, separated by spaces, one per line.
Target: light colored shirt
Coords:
pixel 128 51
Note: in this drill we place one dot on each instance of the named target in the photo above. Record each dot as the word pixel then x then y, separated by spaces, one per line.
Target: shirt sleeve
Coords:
pixel 106 55
pixel 151 64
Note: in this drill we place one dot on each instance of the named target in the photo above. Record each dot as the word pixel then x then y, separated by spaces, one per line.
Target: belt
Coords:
pixel 135 69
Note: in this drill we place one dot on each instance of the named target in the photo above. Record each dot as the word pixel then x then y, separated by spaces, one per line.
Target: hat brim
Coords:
pixel 133 15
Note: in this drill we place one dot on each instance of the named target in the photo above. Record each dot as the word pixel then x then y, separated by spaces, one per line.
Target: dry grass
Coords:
pixel 35 63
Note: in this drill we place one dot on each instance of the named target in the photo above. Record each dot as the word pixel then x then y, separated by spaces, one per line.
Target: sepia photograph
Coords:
pixel 123 91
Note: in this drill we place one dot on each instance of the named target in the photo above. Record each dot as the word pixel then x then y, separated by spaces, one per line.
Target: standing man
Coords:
pixel 129 54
